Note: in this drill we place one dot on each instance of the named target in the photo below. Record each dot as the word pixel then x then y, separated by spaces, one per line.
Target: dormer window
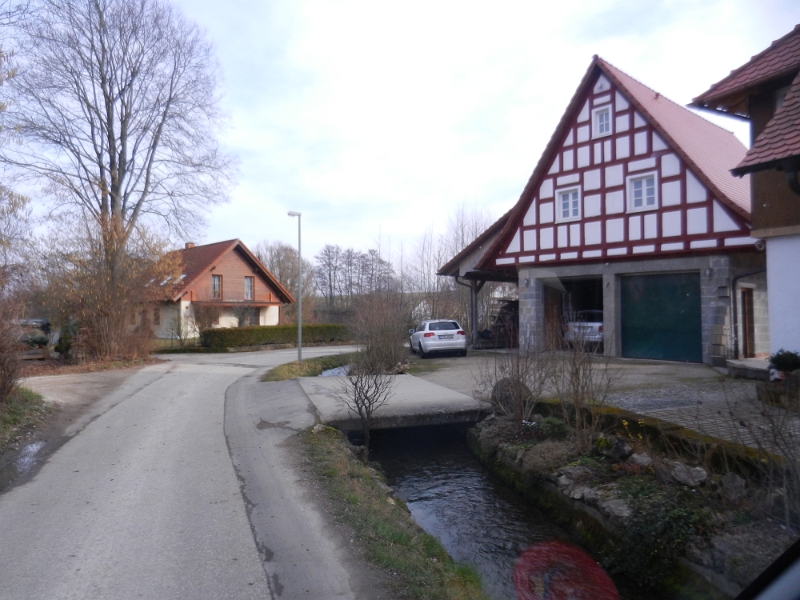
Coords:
pixel 642 192
pixel 568 207
pixel 601 122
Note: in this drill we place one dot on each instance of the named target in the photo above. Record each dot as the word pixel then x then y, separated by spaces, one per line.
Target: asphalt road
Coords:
pixel 145 502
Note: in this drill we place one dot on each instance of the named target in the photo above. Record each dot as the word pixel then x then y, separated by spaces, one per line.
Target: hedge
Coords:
pixel 277 334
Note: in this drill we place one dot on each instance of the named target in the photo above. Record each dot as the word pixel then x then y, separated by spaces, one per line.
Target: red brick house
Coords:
pixel 227 275
pixel 631 211
pixel 766 91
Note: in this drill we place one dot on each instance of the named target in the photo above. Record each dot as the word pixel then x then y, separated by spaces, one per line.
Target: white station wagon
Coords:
pixel 440 335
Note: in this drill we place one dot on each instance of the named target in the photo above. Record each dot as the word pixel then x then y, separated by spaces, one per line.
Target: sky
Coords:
pixel 377 120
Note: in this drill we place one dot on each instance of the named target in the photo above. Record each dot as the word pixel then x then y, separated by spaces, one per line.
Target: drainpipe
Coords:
pixel 734 281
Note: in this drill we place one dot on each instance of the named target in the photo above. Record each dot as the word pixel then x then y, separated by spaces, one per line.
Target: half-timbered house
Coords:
pixel 227 277
pixel 632 210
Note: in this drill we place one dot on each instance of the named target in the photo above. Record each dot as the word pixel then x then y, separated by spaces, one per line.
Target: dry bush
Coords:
pixel 363 393
pixel 9 347
pixel 379 325
pixel 583 380
pixel 109 290
pixel 515 380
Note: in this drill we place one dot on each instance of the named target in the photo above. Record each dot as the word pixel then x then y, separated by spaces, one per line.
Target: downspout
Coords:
pixel 734 281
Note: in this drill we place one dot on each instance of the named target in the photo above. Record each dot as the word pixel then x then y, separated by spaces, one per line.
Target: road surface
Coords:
pixel 145 500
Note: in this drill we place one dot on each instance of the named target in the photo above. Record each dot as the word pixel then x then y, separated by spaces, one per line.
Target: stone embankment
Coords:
pixel 550 474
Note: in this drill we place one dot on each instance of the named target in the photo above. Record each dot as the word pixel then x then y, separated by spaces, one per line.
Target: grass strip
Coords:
pixel 23 411
pixel 419 566
pixel 309 367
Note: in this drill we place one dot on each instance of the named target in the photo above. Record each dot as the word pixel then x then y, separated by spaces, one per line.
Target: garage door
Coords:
pixel 661 317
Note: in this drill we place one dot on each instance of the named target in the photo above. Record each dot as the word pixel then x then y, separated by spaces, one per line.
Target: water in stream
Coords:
pixel 477 518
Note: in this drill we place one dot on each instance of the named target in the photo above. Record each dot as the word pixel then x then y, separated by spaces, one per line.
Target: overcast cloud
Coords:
pixel 377 119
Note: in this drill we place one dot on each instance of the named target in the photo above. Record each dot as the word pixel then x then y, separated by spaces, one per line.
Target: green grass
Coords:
pixel 309 367
pixel 418 565
pixel 23 411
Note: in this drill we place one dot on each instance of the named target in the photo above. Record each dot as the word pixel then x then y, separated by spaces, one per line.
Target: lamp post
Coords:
pixel 299 289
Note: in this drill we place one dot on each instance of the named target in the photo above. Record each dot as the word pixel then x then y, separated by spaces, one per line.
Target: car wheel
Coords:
pixel 463 353
pixel 422 353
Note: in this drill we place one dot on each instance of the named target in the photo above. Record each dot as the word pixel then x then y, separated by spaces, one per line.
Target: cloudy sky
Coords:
pixel 377 119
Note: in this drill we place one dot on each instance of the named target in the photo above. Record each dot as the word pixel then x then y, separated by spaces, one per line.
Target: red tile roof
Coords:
pixel 782 58
pixel 199 259
pixel 707 148
pixel 710 149
pixel 780 139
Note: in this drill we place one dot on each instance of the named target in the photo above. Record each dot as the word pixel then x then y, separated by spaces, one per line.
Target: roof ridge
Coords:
pixel 667 98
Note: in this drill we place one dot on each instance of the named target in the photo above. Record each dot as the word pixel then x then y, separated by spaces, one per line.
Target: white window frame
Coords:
pixel 630 180
pixel 559 209
pixel 251 293
pixel 595 124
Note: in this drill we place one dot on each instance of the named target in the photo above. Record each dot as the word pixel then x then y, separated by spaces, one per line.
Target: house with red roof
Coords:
pixel 766 91
pixel 226 276
pixel 631 211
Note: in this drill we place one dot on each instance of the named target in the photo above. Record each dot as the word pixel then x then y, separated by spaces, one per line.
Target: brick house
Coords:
pixel 766 91
pixel 632 211
pixel 229 277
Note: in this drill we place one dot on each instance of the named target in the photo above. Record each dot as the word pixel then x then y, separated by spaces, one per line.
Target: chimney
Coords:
pixel 189 245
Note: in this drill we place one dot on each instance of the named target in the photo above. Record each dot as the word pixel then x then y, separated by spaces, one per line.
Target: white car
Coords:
pixel 586 329
pixel 440 335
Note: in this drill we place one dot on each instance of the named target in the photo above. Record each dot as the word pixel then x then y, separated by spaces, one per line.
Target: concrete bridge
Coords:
pixel 413 402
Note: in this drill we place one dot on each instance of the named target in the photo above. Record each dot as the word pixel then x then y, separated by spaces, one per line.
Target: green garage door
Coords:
pixel 661 317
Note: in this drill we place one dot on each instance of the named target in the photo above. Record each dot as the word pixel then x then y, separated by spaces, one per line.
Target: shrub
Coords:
pixel 277 334
pixel 785 361
pixel 554 428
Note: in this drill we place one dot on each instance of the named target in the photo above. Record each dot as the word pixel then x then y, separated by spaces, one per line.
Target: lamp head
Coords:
pixel 293 213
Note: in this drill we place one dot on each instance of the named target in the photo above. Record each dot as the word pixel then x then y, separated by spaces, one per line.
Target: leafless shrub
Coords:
pixel 772 433
pixel 515 380
pixel 111 297
pixel 205 314
pixel 363 392
pixel 379 324
pixel 9 347
pixel 583 380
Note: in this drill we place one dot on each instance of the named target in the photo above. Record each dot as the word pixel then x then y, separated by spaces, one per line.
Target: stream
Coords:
pixel 479 520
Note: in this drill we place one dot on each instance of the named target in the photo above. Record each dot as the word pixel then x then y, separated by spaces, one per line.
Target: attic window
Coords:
pixel 216 287
pixel 568 206
pixel 601 122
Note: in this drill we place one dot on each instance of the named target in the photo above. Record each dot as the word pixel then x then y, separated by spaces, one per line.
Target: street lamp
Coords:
pixel 299 289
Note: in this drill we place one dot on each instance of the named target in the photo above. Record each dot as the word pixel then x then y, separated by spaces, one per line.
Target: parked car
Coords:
pixel 34 338
pixel 440 335
pixel 585 329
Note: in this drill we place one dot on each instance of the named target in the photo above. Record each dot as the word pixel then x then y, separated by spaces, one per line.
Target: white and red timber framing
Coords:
pixel 629 183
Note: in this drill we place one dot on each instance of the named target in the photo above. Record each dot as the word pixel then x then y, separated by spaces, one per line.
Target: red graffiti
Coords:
pixel 559 571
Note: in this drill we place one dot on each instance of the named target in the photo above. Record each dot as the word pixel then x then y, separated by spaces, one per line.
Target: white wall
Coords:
pixel 269 315
pixel 783 292
pixel 228 319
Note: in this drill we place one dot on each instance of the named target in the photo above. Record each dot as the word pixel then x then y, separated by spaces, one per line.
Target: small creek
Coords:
pixel 477 518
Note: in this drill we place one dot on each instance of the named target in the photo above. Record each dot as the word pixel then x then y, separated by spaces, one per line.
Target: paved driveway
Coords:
pixel 144 500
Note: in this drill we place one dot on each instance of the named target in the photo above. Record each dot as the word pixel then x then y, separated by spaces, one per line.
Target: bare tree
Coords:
pixel 363 393
pixel 281 260
pixel 116 109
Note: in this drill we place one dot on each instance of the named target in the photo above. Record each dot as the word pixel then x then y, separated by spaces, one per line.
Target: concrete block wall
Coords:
pixel 716 272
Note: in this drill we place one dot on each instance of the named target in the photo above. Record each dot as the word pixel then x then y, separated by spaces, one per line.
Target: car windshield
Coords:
pixel 443 326
pixel 590 316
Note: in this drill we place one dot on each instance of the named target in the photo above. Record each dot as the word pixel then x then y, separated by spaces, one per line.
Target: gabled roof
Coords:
pixel 198 260
pixel 781 59
pixel 706 148
pixel 452 267
pixel 780 139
